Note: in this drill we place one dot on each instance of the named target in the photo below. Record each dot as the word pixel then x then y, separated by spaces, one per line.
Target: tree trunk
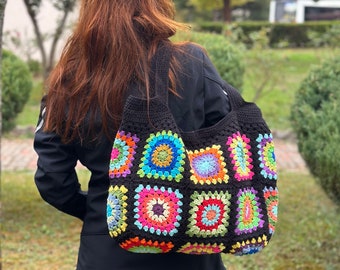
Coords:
pixel 39 37
pixel 47 61
pixel 227 10
pixel 2 14
pixel 56 38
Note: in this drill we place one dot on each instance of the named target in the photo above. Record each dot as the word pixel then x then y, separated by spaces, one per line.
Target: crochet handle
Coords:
pixel 235 98
pixel 159 77
pixel 160 65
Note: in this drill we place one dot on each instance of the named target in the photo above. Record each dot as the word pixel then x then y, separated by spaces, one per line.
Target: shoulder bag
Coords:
pixel 209 191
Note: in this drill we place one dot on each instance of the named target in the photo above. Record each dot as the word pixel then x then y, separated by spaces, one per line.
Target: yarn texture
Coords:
pixel 209 191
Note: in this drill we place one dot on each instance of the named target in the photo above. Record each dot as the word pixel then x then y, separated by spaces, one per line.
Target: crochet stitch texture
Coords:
pixel 209 191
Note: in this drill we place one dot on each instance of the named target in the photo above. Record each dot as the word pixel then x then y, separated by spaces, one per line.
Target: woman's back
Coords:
pixel 200 105
pixel 109 52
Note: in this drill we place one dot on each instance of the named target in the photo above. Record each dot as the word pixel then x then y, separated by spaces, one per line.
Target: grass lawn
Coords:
pixel 36 236
pixel 288 67
pixel 307 234
pixel 29 116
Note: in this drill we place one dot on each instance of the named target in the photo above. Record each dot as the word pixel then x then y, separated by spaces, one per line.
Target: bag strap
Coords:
pixel 235 98
pixel 159 77
pixel 159 74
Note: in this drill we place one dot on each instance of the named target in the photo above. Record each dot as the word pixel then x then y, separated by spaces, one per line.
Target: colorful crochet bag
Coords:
pixel 209 191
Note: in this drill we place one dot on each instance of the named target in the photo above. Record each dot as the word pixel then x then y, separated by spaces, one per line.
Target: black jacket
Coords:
pixel 203 103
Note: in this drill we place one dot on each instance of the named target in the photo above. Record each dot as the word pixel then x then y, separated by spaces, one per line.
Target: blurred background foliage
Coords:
pixel 291 70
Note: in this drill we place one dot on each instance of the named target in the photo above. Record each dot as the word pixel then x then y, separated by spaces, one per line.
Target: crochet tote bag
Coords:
pixel 209 191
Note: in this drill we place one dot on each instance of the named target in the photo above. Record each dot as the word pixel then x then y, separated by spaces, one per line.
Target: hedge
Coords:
pixel 316 121
pixel 295 34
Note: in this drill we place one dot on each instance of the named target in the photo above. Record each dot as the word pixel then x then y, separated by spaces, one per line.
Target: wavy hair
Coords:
pixel 112 44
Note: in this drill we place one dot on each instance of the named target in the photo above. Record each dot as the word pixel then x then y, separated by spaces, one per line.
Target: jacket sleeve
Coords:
pixel 56 177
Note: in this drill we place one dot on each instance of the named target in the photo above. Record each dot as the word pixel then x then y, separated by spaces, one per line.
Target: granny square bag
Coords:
pixel 208 191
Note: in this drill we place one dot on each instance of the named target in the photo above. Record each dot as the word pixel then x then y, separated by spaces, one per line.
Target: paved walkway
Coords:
pixel 18 154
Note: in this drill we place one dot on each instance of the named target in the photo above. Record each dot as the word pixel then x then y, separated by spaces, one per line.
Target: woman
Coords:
pixel 108 57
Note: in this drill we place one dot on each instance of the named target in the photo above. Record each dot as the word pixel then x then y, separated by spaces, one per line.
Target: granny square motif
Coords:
pixel 138 245
pixel 207 191
pixel 267 156
pixel 116 210
pixel 272 201
pixel 209 214
pixel 208 166
pixel 241 156
pixel 157 210
pixel 163 157
pixel 199 249
pixel 249 216
pixel 249 246
pixel 122 154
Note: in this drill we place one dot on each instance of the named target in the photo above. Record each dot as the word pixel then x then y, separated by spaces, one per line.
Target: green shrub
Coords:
pixel 213 27
pixel 315 117
pixel 329 38
pixel 293 34
pixel 226 57
pixel 16 87
pixel 35 67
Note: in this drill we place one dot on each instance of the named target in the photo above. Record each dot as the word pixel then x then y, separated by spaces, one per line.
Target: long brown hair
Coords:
pixel 112 44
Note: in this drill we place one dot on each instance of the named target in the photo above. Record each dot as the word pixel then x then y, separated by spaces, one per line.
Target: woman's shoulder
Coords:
pixel 190 49
pixel 195 57
pixel 191 56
